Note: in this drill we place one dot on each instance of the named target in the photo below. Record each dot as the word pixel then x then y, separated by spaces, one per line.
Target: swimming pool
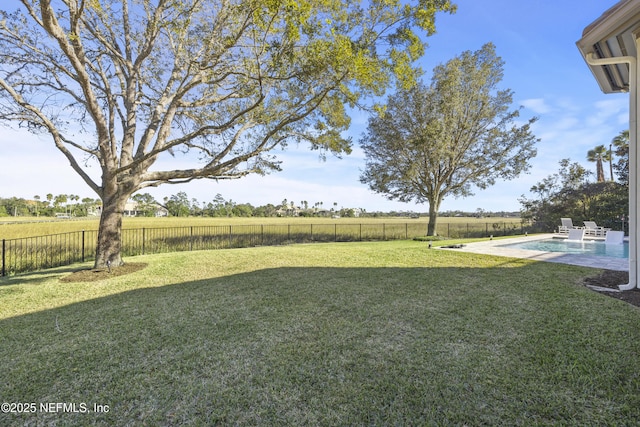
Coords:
pixel 584 247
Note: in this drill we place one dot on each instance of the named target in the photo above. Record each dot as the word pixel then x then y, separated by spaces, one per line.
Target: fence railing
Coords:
pixel 42 252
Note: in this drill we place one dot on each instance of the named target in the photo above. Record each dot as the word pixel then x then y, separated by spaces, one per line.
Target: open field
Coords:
pixel 373 333
pixel 13 228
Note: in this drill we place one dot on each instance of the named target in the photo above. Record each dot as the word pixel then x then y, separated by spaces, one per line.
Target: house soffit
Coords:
pixel 612 35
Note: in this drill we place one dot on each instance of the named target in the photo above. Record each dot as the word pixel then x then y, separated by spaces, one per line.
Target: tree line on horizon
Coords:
pixel 181 205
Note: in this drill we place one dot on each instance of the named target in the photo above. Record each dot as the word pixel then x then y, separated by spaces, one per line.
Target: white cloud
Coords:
pixel 608 112
pixel 30 165
pixel 537 105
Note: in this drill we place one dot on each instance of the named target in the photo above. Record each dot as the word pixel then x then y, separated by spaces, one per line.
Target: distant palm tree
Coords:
pixel 621 142
pixel 598 155
pixel 622 139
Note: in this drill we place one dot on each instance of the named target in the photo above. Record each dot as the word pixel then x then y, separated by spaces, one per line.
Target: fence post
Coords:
pixel 361 232
pixel 191 239
pixel 82 245
pixel 4 246
pixel 335 232
pixel 406 231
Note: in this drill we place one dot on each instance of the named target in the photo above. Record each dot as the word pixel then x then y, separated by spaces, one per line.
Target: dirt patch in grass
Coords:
pixel 93 275
pixel 610 279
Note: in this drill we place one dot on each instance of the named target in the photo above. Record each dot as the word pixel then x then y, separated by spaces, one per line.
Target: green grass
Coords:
pixel 385 333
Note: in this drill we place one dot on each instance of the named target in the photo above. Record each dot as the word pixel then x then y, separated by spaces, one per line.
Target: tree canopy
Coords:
pixel 449 137
pixel 569 193
pixel 598 155
pixel 621 144
pixel 120 84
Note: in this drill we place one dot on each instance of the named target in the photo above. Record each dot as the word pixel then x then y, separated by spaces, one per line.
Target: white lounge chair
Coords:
pixel 593 229
pixel 614 238
pixel 567 224
pixel 576 234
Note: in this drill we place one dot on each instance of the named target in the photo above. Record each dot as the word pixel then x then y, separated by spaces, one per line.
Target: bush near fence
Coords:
pixel 36 253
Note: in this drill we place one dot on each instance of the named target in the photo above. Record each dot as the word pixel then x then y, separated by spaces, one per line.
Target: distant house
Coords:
pixel 289 211
pixel 161 211
pixel 132 209
pixel 95 210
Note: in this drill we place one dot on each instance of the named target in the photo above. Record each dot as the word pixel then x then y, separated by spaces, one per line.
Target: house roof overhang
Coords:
pixel 610 36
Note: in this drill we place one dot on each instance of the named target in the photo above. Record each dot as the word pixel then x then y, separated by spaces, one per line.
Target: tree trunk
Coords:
pixel 600 171
pixel 434 206
pixel 110 231
pixel 611 161
pixel 431 228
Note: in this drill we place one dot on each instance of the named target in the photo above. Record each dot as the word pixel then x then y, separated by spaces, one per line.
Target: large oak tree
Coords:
pixel 449 137
pixel 124 83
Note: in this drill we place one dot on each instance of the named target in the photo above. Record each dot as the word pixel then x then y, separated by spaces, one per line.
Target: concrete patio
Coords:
pixel 496 247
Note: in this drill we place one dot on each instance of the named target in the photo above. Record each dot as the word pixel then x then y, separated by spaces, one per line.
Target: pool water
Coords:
pixel 572 247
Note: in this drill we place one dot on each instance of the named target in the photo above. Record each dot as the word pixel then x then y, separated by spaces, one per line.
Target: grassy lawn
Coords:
pixel 384 333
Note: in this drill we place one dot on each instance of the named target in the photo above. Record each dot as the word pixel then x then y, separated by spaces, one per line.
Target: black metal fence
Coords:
pixel 42 252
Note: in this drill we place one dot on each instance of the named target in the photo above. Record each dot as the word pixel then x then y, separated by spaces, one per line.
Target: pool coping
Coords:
pixel 494 247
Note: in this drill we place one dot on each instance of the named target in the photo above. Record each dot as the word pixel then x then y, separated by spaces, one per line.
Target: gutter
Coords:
pixel 634 86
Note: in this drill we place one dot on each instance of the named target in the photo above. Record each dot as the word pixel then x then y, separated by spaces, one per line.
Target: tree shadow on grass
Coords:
pixel 332 346
pixel 37 277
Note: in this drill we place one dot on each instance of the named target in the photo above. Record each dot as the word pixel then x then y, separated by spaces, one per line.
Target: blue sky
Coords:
pixel 543 67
